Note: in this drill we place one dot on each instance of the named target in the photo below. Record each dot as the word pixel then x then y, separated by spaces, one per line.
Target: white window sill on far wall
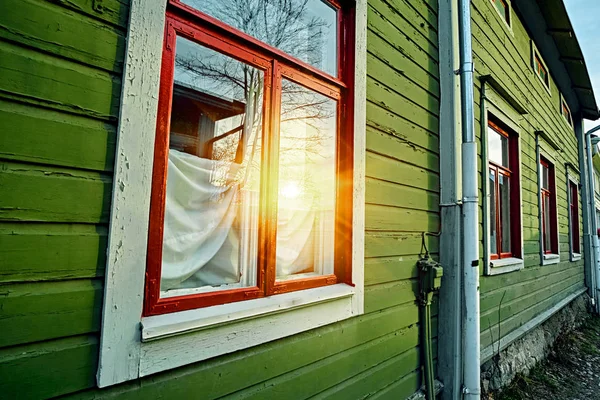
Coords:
pixel 575 256
pixel 549 259
pixel 505 265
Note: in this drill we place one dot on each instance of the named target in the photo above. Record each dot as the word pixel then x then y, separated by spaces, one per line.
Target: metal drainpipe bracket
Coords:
pixel 468 391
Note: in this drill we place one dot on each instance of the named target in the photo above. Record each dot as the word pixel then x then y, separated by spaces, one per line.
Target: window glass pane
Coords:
pixel 541 70
pixel 545 177
pixel 307 180
pixel 497 148
pixel 546 220
pixel 305 29
pixel 493 227
pixel 211 215
pixel 502 7
pixel 574 205
pixel 504 189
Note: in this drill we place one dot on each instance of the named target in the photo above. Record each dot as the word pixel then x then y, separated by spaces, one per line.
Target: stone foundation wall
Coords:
pixel 524 353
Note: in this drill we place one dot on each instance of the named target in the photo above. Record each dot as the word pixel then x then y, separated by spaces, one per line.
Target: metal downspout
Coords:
pixel 589 263
pixel 450 321
pixel 593 228
pixel 470 216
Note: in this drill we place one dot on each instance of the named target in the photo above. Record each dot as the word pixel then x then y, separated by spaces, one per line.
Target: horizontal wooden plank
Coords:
pixel 56 30
pixel 498 282
pixel 390 269
pixel 38 135
pixel 384 218
pixel 379 297
pixel 385 50
pixel 416 35
pixel 388 169
pixel 41 252
pixel 531 299
pixel 491 300
pixel 42 193
pixel 380 94
pixel 309 381
pixel 227 374
pixel 32 312
pixel 383 27
pixel 401 149
pixel 401 388
pixel 392 194
pixel 48 369
pixel 365 384
pixel 518 319
pixel 115 12
pixel 49 81
pixel 397 80
pixel 381 244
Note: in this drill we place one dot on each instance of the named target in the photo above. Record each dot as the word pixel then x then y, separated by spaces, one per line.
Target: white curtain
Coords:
pixel 201 245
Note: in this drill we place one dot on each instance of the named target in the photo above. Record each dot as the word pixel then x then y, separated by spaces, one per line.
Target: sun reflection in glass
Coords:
pixel 291 190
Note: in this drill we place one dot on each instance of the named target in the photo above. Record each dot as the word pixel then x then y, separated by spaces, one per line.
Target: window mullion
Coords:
pixel 498 215
pixel 270 182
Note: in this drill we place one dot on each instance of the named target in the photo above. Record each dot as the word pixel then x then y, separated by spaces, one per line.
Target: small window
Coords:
pixel 504 192
pixel 574 234
pixel 566 111
pixel 540 68
pixel 503 7
pixel 548 207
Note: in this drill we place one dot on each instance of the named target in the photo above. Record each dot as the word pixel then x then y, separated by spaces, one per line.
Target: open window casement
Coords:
pixel 239 210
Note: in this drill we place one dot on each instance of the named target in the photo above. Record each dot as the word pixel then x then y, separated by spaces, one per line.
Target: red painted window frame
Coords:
pixel 183 20
pixel 549 193
pixel 512 173
pixel 574 213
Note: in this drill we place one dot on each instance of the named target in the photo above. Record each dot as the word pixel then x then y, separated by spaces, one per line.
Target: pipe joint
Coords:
pixel 471 392
pixel 466 67
pixel 470 199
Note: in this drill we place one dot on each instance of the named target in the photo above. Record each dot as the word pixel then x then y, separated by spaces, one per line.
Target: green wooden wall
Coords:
pixel 512 299
pixel 61 63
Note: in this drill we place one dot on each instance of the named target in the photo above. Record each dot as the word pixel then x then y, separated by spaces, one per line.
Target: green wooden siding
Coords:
pixel 62 63
pixel 510 300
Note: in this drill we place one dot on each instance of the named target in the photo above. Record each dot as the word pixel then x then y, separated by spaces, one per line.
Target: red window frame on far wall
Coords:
pixel 512 173
pixel 574 214
pixel 183 20
pixel 550 213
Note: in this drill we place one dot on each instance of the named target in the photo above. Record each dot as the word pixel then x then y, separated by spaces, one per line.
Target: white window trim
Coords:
pixel 571 177
pixel 546 150
pixel 534 52
pixel 182 338
pixel 508 24
pixel 495 104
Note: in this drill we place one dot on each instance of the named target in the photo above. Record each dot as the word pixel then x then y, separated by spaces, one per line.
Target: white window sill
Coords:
pixel 550 259
pixel 177 339
pixel 575 256
pixel 159 326
pixel 504 265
